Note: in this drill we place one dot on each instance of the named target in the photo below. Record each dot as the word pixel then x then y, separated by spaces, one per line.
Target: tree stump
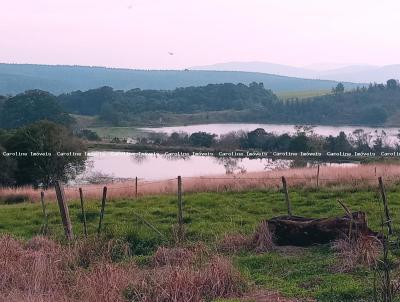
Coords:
pixel 302 231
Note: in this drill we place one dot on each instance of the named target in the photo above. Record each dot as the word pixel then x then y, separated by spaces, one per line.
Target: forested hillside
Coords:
pixel 16 78
pixel 375 105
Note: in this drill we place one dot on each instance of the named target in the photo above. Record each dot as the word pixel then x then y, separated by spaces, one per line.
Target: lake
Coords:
pixel 160 166
pixel 152 166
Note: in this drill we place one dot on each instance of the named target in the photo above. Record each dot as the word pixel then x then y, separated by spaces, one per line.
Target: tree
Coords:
pixel 202 139
pixel 392 84
pixel 32 106
pixel 257 138
pixel 339 89
pixel 7 169
pixel 299 144
pixel 338 144
pixel 56 154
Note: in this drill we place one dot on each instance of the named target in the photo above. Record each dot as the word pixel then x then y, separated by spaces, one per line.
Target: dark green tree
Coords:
pixel 392 84
pixel 32 106
pixel 8 167
pixel 46 140
pixel 202 139
pixel 339 89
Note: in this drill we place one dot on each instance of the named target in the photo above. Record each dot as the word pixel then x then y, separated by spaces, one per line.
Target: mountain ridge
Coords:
pixel 57 79
pixel 356 73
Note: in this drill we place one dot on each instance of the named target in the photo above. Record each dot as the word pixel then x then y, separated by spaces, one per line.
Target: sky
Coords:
pixel 175 34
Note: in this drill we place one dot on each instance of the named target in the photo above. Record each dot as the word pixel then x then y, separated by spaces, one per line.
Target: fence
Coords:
pixel 178 183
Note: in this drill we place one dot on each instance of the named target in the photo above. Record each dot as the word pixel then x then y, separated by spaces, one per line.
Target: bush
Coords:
pixel 15 198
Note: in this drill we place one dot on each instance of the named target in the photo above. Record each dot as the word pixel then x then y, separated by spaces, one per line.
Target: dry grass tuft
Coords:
pixel 85 252
pixel 181 256
pixel 42 270
pixel 176 256
pixel 34 272
pixel 215 279
pixel 104 282
pixel 364 250
pixel 260 242
pixel 263 238
pixel 234 243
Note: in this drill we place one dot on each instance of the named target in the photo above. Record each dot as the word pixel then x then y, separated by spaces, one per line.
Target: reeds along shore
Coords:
pixel 329 176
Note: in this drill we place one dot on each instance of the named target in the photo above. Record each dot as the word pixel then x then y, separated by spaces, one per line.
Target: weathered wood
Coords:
pixel 287 199
pixel 302 231
pixel 136 187
pixel 180 203
pixel 83 212
pixel 318 176
pixel 103 205
pixel 62 204
pixel 385 205
pixel 45 218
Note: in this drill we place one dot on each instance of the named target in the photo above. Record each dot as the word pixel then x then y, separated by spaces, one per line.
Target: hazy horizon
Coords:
pixel 178 34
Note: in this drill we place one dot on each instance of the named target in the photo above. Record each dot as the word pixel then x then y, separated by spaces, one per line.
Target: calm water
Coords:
pixel 160 166
pixel 277 129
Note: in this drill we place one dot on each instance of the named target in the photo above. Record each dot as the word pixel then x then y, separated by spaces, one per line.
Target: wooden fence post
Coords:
pixel 46 220
pixel 103 204
pixel 136 187
pixel 385 205
pixel 83 212
pixel 180 206
pixel 318 177
pixel 62 204
pixel 285 191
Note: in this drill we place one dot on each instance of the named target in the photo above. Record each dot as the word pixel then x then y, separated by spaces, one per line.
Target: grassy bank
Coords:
pixel 294 272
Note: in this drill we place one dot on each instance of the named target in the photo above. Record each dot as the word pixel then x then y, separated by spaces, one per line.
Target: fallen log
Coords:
pixel 302 231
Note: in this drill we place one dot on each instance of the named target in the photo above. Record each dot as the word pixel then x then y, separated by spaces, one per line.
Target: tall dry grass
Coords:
pixel 354 176
pixel 42 270
pixel 363 250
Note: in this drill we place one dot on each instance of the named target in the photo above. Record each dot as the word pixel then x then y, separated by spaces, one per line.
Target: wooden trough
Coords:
pixel 302 231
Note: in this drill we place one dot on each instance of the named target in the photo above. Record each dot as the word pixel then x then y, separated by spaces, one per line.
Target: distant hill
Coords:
pixel 361 73
pixel 16 78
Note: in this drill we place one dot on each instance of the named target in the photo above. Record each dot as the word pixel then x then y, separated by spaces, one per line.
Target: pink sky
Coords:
pixel 140 33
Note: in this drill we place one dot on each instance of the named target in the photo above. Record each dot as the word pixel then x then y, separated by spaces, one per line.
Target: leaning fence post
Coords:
pixel 103 204
pixel 83 212
pixel 66 220
pixel 136 187
pixel 318 177
pixel 285 190
pixel 46 221
pixel 385 205
pixel 180 207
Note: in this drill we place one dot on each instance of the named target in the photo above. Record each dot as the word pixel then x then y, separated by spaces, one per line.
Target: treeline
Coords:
pixel 119 107
pixel 374 105
pixel 303 140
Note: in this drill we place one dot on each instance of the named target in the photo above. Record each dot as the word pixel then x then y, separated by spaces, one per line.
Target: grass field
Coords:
pixel 293 272
pixel 302 94
pixel 119 132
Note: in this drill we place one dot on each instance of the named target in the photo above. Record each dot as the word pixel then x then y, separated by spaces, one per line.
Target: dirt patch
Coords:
pixel 291 251
pixel 268 296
